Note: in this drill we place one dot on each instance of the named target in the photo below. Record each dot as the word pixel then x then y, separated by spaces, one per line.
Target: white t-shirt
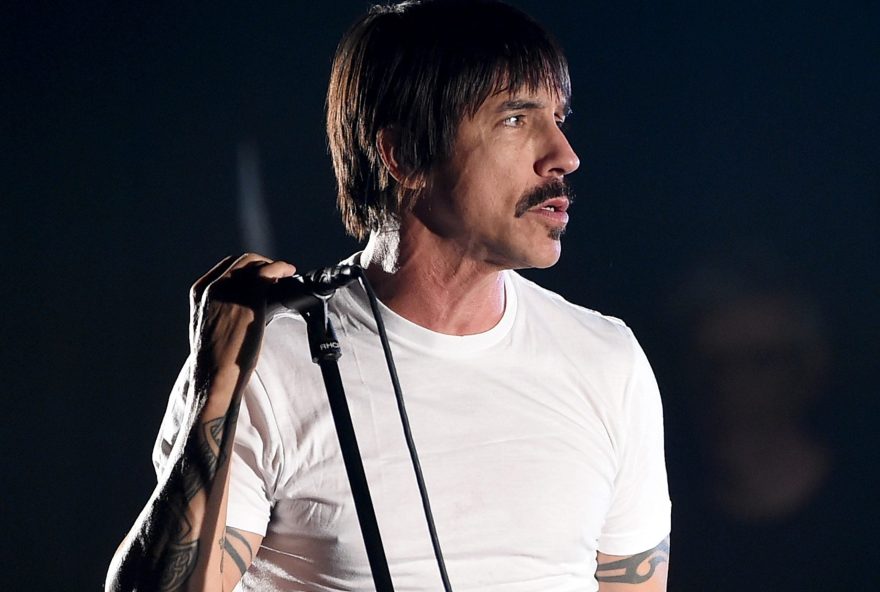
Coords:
pixel 541 442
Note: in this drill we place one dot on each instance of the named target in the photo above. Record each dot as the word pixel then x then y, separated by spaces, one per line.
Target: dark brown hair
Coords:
pixel 418 68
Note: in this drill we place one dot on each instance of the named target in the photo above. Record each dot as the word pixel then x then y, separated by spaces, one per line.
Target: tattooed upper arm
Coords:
pixel 644 571
pixel 239 548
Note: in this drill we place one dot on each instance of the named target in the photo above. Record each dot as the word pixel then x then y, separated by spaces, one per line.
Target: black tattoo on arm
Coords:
pixel 211 439
pixel 169 541
pixel 180 555
pixel 634 569
pixel 235 536
pixel 180 561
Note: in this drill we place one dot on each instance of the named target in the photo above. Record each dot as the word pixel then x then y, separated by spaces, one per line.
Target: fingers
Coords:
pixel 276 270
pixel 198 288
pixel 243 279
pixel 267 268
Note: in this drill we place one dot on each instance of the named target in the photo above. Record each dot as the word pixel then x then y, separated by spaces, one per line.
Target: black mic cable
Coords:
pixel 407 433
pixel 303 291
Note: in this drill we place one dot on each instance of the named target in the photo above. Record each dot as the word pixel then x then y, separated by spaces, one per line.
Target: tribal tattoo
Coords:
pixel 180 561
pixel 634 569
pixel 199 466
pixel 232 539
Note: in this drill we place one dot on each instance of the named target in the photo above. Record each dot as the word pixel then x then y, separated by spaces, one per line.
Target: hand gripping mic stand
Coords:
pixel 311 303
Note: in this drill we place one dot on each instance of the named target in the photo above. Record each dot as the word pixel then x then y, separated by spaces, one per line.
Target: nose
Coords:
pixel 558 157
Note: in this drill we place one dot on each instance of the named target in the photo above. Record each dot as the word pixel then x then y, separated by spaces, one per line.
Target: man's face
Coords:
pixel 501 199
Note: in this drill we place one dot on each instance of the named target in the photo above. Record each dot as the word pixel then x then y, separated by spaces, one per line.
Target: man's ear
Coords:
pixel 387 141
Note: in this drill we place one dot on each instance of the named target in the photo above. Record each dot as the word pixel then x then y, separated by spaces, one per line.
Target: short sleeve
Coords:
pixel 257 461
pixel 639 516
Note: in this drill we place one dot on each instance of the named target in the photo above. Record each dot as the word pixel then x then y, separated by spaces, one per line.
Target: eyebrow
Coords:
pixel 528 104
pixel 520 104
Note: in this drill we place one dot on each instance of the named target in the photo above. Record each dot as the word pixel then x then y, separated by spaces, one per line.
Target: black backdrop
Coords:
pixel 699 126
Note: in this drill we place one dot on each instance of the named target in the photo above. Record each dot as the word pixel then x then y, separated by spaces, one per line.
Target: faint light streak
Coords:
pixel 253 214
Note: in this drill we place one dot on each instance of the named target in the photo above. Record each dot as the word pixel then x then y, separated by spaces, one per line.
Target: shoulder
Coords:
pixel 600 349
pixel 552 311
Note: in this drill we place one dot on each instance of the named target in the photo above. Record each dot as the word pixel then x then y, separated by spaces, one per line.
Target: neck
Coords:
pixel 426 281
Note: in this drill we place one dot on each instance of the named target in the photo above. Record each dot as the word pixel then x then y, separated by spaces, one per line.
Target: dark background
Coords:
pixel 701 128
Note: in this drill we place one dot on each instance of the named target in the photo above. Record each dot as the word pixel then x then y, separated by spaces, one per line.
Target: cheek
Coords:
pixel 495 175
pixel 487 180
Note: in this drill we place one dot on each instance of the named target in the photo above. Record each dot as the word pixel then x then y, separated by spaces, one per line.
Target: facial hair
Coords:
pixel 540 194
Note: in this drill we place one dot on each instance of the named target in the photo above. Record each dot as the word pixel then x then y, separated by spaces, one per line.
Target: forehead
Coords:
pixel 526 98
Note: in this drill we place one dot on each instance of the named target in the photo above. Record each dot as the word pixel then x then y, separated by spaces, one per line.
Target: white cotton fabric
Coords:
pixel 541 442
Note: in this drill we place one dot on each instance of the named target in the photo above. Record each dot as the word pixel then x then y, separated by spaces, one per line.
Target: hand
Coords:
pixel 228 314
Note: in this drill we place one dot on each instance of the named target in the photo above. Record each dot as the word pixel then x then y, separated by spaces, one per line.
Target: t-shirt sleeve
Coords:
pixel 257 460
pixel 639 516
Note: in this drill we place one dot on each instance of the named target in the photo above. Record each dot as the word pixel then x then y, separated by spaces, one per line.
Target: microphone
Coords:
pixel 304 290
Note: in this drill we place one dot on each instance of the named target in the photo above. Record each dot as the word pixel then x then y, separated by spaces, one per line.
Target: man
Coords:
pixel 538 422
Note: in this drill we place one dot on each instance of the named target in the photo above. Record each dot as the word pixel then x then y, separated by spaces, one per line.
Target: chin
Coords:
pixel 546 258
pixel 546 263
pixel 537 252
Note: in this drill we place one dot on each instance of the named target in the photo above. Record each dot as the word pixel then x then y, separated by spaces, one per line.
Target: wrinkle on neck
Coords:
pixel 426 284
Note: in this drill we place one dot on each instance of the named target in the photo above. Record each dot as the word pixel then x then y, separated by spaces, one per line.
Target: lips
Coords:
pixel 558 204
pixel 554 209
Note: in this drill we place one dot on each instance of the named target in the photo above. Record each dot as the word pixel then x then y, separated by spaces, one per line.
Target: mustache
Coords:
pixel 540 194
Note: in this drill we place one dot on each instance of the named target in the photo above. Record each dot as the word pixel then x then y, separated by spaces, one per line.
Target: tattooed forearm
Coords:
pixel 634 569
pixel 214 428
pixel 196 473
pixel 209 445
pixel 166 550
pixel 203 454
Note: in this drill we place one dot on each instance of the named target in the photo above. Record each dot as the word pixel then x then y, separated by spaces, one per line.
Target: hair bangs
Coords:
pixel 531 72
pixel 496 48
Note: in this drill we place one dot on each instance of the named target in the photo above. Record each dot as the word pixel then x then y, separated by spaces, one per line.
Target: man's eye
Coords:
pixel 514 121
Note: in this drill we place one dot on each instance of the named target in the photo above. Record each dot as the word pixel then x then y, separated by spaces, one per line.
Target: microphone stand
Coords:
pixel 325 352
